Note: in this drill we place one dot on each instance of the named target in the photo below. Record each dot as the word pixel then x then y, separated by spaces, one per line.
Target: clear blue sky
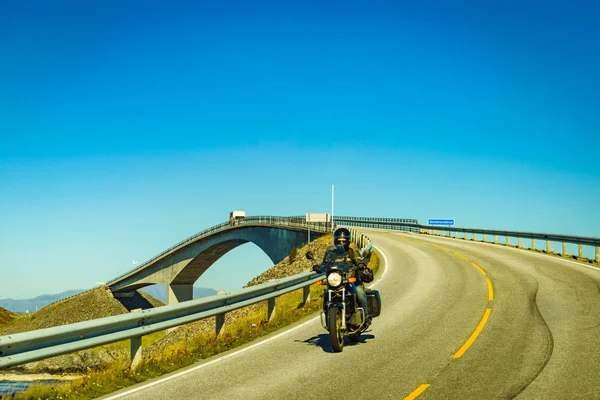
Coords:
pixel 127 126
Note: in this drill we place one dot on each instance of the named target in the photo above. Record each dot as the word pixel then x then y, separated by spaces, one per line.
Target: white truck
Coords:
pixel 237 217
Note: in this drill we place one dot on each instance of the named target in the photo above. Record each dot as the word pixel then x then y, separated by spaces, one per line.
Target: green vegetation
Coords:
pixel 253 325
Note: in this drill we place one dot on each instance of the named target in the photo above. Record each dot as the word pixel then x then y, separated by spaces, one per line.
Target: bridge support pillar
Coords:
pixel 135 351
pixel 178 293
pixel 580 251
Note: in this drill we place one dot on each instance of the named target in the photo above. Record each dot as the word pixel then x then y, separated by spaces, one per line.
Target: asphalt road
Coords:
pixel 460 320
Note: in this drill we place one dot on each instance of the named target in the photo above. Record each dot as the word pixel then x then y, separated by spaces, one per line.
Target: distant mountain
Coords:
pixel 32 305
pixel 159 292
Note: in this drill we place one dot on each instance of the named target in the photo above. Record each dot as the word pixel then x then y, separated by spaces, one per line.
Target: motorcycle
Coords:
pixel 342 315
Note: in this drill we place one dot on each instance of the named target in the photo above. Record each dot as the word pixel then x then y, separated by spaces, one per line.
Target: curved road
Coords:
pixel 460 320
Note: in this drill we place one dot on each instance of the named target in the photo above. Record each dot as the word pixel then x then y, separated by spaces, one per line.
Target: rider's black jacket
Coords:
pixel 331 255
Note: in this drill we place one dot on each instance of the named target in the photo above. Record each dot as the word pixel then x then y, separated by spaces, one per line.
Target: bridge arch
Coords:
pixel 180 268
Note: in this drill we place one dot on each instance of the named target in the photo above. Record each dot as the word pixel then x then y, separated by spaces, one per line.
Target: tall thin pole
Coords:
pixel 332 197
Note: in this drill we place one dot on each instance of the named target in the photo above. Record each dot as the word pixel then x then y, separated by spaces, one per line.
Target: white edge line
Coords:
pixel 187 371
pixel 385 266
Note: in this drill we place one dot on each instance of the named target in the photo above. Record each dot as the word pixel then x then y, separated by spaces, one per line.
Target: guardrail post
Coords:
pixel 564 252
pixel 220 324
pixel 520 245
pixel 548 250
pixel 598 255
pixel 507 240
pixel 464 235
pixel 484 237
pixel 474 236
pixel 532 244
pixel 495 239
pixel 580 251
pixel 271 309
pixel 305 294
pixel 136 351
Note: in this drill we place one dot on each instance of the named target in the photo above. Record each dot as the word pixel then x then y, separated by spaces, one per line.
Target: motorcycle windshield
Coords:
pixel 337 258
pixel 342 266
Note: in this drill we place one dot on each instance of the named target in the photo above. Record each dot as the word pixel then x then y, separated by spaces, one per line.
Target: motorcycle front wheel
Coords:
pixel 336 336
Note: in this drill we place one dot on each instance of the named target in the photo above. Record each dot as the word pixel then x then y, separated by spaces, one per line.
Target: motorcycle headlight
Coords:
pixel 334 279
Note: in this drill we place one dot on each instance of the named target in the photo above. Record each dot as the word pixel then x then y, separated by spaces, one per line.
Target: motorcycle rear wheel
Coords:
pixel 336 336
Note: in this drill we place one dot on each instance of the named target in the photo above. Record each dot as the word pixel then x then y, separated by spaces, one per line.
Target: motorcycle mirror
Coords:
pixel 366 252
pixel 310 255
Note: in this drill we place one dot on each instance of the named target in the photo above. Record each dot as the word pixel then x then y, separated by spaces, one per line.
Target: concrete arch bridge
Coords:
pixel 181 265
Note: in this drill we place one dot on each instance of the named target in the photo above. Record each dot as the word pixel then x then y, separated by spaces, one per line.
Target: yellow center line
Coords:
pixel 461 256
pixel 490 289
pixel 479 268
pixel 417 392
pixel 469 342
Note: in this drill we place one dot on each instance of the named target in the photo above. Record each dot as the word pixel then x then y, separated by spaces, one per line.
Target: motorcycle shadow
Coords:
pixel 323 342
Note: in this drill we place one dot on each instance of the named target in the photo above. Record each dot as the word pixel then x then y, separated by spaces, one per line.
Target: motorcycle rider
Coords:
pixel 342 237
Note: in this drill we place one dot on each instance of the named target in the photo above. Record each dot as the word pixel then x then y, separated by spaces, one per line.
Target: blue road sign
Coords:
pixel 440 222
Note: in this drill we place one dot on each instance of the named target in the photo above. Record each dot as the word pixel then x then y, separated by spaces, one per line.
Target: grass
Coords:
pixel 289 309
pixel 6 316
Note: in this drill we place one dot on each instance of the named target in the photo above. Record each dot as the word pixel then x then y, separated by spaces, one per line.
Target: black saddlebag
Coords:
pixel 374 303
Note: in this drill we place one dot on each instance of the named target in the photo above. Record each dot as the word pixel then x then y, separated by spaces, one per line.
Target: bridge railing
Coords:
pixel 403 224
pixel 291 222
pixel 413 226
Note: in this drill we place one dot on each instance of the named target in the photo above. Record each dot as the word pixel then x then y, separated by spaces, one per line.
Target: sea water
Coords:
pixel 7 387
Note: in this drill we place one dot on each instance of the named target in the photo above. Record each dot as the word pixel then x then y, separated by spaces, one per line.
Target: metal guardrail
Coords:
pixel 394 224
pixel 31 346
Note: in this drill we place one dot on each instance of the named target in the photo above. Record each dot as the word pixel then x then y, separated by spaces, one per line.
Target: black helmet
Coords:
pixel 342 233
